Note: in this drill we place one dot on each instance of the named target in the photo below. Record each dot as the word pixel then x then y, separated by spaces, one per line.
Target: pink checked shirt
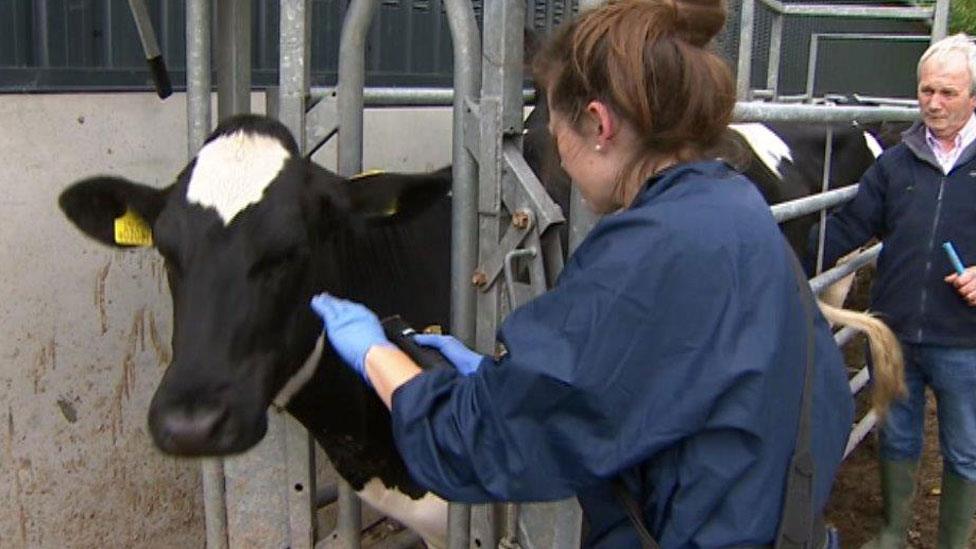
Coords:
pixel 947 158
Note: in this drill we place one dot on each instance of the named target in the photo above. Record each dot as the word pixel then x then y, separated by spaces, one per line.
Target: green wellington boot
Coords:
pixel 897 492
pixel 956 507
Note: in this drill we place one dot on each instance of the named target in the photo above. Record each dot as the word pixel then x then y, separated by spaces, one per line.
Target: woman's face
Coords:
pixel 585 164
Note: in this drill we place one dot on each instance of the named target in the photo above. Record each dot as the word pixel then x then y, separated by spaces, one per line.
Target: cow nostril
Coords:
pixel 193 431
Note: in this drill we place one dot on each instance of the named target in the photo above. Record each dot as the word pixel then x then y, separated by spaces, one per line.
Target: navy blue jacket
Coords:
pixel 669 352
pixel 909 204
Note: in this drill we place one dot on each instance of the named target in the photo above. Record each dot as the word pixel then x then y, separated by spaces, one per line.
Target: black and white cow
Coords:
pixel 786 162
pixel 249 231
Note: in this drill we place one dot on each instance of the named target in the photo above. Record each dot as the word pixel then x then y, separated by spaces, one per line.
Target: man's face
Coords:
pixel 944 96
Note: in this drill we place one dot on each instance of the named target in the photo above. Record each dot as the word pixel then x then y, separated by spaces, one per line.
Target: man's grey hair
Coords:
pixel 942 49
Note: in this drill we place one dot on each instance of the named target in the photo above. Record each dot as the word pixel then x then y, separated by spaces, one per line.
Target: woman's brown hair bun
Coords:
pixel 652 63
pixel 698 21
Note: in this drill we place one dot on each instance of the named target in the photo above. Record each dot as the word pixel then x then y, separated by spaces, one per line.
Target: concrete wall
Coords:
pixel 84 330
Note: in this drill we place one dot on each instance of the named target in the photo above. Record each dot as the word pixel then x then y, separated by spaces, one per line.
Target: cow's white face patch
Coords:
pixel 767 145
pixel 232 172
pixel 873 145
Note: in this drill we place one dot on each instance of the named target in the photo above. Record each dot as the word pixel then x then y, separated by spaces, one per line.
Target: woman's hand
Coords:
pixel 465 360
pixel 351 328
pixel 965 284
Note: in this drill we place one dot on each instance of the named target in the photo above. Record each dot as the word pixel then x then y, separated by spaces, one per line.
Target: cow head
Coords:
pixel 245 232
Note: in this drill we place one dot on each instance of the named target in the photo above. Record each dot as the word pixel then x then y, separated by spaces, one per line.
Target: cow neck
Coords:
pixel 379 265
pixel 351 425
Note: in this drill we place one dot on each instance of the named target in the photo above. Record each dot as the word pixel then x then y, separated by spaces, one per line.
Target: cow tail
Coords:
pixel 888 364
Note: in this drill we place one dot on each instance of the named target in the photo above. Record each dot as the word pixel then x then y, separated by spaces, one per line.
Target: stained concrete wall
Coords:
pixel 84 330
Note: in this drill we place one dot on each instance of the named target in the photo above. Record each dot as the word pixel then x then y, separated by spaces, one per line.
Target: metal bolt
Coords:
pixel 520 219
pixel 479 279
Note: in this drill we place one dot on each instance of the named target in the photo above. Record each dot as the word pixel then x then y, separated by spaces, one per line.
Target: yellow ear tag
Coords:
pixel 132 230
pixel 368 173
pixel 386 210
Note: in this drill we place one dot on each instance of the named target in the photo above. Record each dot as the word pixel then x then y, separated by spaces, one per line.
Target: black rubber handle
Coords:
pixel 401 334
pixel 160 76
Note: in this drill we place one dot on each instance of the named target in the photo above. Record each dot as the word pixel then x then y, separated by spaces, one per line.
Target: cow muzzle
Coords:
pixel 208 428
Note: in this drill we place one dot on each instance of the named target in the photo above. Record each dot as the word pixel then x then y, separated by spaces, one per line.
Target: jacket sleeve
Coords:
pixel 587 387
pixel 854 223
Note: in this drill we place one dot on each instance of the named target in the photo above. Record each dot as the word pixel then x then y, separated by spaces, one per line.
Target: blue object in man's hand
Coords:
pixel 950 251
pixel 465 360
pixel 352 329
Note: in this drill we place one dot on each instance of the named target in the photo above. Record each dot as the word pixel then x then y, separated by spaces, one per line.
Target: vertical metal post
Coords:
pixel 233 58
pixel 775 45
pixel 501 122
pixel 294 66
pixel 501 117
pixel 812 65
pixel 940 20
pixel 464 213
pixel 198 85
pixel 467 89
pixel 828 152
pixel 293 82
pixel 198 127
pixel 349 103
pixel 352 78
pixel 581 218
pixel 743 75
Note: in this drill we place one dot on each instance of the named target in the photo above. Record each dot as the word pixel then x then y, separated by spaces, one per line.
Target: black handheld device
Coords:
pixel 401 334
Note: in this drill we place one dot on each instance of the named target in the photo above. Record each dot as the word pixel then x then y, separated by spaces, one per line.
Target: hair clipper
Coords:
pixel 401 334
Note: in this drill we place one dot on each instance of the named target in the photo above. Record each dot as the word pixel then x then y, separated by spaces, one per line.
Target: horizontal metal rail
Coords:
pixel 406 96
pixel 860 380
pixel 886 101
pixel 820 282
pixel 861 430
pixel 850 10
pixel 785 211
pixel 745 111
pixel 754 111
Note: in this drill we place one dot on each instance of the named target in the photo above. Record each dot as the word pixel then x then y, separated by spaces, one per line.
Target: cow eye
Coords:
pixel 275 263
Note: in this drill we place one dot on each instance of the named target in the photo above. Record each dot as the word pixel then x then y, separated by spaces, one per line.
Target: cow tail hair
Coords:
pixel 888 364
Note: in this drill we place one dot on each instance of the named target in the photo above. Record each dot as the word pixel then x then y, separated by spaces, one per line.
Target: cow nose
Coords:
pixel 193 431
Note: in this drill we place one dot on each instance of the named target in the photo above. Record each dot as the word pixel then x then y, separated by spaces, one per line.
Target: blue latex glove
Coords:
pixel 465 360
pixel 352 329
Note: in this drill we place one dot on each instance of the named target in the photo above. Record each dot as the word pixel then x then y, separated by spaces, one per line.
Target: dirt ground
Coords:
pixel 855 503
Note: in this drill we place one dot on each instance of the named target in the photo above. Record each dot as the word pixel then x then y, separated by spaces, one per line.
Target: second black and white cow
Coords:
pixel 786 161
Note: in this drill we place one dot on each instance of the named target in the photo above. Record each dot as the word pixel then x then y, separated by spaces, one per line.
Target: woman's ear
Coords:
pixel 603 121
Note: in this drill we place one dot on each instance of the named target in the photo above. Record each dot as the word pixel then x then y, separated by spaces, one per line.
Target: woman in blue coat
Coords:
pixel 670 354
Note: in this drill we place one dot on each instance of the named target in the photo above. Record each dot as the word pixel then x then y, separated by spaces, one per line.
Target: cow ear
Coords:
pixel 381 197
pixel 115 211
pixel 395 197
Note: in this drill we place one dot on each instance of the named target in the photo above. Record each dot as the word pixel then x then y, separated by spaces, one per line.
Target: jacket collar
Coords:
pixel 661 182
pixel 914 139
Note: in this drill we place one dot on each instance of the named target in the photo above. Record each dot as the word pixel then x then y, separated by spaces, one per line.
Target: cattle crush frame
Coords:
pixel 500 216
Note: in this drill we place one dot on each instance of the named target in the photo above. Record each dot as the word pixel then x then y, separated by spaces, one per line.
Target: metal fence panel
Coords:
pixel 797 31
pixel 92 45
